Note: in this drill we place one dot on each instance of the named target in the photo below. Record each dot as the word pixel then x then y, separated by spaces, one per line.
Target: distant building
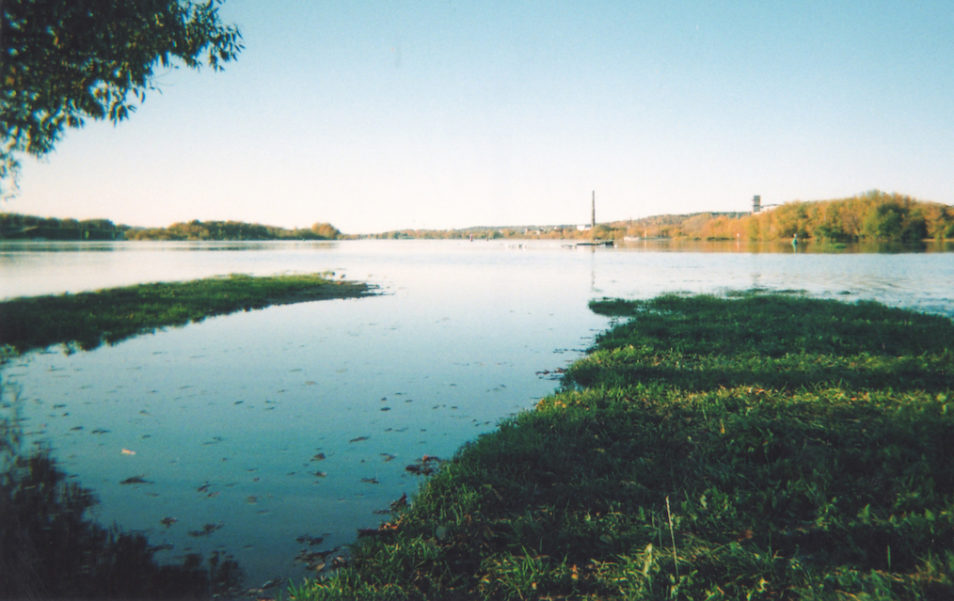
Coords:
pixel 756 203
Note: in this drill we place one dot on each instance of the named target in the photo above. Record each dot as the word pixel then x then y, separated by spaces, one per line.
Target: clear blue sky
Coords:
pixel 385 115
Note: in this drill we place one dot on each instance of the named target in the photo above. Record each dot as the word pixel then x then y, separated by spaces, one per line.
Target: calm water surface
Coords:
pixel 300 420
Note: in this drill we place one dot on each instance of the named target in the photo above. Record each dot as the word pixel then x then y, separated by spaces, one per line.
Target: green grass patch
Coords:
pixel 89 319
pixel 754 447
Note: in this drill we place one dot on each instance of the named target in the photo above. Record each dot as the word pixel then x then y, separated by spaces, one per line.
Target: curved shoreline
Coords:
pixel 88 319
pixel 762 446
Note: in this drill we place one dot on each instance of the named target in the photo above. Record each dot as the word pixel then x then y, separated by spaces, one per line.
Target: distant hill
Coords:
pixel 873 215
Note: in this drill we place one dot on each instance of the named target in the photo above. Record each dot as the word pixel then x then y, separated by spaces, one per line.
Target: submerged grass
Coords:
pixel 90 318
pixel 756 447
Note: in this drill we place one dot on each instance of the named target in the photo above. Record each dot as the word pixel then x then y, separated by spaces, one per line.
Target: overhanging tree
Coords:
pixel 64 61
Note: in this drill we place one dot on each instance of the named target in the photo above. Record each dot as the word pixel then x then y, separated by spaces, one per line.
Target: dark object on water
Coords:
pixel 425 466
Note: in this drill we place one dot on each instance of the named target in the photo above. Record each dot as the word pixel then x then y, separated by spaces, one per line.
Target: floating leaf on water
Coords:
pixel 388 456
pixel 318 457
pixel 311 540
pixel 141 479
pixel 359 439
pixel 203 488
pixel 206 530
pixel 425 466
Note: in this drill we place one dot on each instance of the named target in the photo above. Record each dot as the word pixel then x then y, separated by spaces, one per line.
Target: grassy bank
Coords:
pixel 90 318
pixel 757 447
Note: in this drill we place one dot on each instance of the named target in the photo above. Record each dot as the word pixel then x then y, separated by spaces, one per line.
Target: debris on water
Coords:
pixel 140 479
pixel 315 560
pixel 425 466
pixel 385 408
pixel 382 530
pixel 99 431
pixel 76 428
pixel 320 474
pixel 206 530
pixel 203 488
pixel 399 503
pixel 168 521
pixel 311 541
pixel 127 452
pixel 388 457
pixel 359 439
pixel 319 457
pixel 370 480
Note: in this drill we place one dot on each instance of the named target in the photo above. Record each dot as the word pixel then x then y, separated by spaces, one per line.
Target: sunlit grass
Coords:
pixel 803 447
pixel 90 318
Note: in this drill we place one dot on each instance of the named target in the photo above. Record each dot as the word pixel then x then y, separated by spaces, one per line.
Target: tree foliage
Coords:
pixel 872 216
pixel 15 226
pixel 64 61
pixel 233 230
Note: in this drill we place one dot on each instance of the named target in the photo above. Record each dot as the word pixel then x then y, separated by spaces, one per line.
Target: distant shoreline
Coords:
pixel 873 216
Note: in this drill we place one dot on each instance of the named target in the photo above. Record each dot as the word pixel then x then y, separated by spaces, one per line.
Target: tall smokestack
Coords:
pixel 593 211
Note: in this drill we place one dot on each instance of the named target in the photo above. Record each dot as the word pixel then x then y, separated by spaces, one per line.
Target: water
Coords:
pixel 299 421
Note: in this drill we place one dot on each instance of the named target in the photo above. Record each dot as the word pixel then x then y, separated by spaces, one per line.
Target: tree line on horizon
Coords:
pixel 872 216
pixel 29 227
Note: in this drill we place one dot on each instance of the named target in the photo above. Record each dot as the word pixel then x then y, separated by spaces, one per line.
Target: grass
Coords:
pixel 754 447
pixel 89 319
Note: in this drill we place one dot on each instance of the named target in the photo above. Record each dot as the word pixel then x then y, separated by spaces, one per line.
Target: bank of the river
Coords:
pixel 90 318
pixel 752 447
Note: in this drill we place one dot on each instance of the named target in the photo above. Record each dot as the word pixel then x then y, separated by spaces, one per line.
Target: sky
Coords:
pixel 377 116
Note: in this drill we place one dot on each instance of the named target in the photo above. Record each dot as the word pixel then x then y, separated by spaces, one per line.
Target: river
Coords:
pixel 260 432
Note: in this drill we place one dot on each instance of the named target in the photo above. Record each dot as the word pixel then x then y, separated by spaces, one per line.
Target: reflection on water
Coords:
pixel 50 548
pixel 276 434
